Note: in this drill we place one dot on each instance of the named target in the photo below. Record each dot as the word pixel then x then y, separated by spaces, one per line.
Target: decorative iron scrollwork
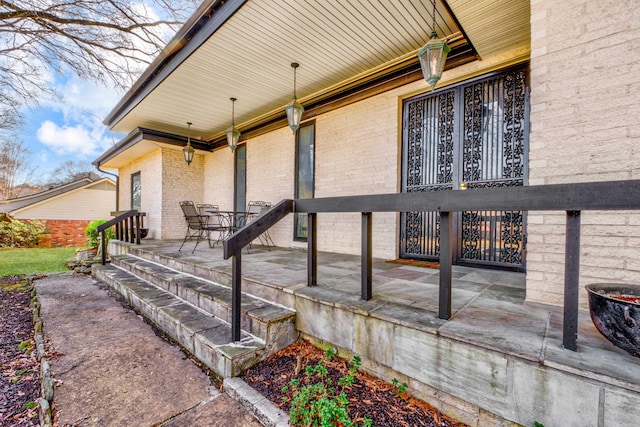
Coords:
pixel 486 148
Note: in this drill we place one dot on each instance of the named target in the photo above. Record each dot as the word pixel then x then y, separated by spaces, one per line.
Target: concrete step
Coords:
pixel 271 323
pixel 220 274
pixel 203 335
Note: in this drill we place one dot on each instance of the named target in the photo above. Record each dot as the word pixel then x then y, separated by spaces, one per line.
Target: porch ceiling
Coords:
pixel 335 42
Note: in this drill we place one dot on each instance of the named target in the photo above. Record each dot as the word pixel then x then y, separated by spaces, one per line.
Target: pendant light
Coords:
pixel 233 135
pixel 188 151
pixel 294 109
pixel 433 55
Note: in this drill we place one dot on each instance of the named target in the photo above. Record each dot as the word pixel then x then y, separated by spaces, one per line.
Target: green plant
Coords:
pixel 400 388
pixel 20 234
pixel 29 405
pixel 537 424
pixel 319 404
pixel 92 232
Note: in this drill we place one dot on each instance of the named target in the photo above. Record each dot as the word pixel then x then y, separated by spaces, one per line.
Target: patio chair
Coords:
pixel 254 210
pixel 197 225
pixel 216 222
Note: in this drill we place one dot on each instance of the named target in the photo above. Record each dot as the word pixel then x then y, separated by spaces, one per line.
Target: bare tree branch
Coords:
pixel 101 40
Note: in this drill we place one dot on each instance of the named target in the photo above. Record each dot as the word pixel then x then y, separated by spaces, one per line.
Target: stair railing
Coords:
pixel 233 246
pixel 127 229
pixel 570 198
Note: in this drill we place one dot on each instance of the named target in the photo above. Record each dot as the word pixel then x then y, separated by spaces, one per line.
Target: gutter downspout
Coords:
pixel 117 185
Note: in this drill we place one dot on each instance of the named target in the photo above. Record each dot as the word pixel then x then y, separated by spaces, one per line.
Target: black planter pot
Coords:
pixel 617 320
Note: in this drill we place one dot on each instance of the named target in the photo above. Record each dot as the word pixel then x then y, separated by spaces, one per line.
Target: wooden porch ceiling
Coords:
pixel 244 50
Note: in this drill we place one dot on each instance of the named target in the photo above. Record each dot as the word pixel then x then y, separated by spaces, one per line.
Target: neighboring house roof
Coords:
pixel 13 206
pixel 244 49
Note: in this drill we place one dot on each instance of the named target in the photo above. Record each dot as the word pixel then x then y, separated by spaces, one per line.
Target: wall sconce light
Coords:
pixel 433 55
pixel 188 151
pixel 294 109
pixel 233 135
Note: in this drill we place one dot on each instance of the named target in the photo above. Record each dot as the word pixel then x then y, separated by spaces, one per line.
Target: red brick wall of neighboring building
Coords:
pixel 66 232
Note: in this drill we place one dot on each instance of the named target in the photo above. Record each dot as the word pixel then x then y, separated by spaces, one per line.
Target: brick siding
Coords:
pixel 66 232
pixel 584 127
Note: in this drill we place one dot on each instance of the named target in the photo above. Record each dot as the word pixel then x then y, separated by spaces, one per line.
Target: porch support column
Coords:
pixel 571 281
pixel 236 294
pixel 312 250
pixel 365 263
pixel 446 259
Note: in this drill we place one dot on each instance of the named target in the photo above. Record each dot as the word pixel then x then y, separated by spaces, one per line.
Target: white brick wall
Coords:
pixel 585 64
pixel 179 182
pixel 150 168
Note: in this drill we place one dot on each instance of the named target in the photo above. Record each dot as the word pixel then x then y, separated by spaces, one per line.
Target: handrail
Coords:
pixel 130 233
pixel 233 246
pixel 571 198
pixel 255 228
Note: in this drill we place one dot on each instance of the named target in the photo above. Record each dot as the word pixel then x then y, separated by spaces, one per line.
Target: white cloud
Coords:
pixel 80 140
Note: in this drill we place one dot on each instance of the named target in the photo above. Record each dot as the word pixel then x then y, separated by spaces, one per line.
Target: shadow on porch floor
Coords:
pixel 488 306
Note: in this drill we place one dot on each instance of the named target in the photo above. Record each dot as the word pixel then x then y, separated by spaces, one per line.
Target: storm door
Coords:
pixel 474 135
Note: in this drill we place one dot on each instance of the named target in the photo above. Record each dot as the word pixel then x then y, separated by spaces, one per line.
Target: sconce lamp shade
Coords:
pixel 432 59
pixel 233 136
pixel 188 152
pixel 294 114
pixel 294 109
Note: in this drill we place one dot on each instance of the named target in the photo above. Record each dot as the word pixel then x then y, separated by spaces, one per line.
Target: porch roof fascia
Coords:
pixel 143 134
pixel 199 27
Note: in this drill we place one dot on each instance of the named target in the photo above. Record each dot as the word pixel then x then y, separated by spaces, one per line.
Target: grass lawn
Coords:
pixel 30 261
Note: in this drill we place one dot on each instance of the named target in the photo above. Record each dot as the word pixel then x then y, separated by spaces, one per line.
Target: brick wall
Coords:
pixel 66 232
pixel 179 182
pixel 150 168
pixel 585 63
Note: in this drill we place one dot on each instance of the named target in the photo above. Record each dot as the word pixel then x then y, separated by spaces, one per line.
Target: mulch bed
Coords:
pixel 383 403
pixel 19 369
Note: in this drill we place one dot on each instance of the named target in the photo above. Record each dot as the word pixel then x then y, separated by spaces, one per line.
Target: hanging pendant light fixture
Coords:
pixel 233 135
pixel 433 55
pixel 294 109
pixel 188 151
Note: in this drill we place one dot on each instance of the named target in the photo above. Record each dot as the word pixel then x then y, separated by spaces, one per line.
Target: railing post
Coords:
pixel 103 247
pixel 571 281
pixel 446 259
pixel 137 228
pixel 312 250
pixel 236 295
pixel 365 263
pixel 131 230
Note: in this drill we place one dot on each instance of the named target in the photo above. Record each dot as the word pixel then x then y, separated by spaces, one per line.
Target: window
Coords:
pixel 304 174
pixel 240 192
pixel 136 191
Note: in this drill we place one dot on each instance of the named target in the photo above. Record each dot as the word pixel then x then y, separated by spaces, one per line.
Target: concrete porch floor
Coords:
pixel 488 306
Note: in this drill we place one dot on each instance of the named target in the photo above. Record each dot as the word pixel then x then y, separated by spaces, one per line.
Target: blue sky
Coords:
pixel 69 128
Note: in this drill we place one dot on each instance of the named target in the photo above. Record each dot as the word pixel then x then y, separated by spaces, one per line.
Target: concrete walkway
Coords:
pixel 111 369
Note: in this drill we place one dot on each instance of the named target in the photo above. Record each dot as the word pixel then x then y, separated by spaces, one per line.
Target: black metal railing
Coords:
pixel 571 198
pixel 127 229
pixel 233 248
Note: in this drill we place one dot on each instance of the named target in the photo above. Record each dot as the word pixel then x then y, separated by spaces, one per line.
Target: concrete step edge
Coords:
pixel 224 358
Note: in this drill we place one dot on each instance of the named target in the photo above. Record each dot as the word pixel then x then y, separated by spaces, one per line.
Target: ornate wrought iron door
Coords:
pixel 476 133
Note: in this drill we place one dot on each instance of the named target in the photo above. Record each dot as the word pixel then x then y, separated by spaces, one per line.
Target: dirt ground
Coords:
pixel 19 369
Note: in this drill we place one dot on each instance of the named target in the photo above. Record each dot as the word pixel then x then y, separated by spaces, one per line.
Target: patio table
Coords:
pixel 231 221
